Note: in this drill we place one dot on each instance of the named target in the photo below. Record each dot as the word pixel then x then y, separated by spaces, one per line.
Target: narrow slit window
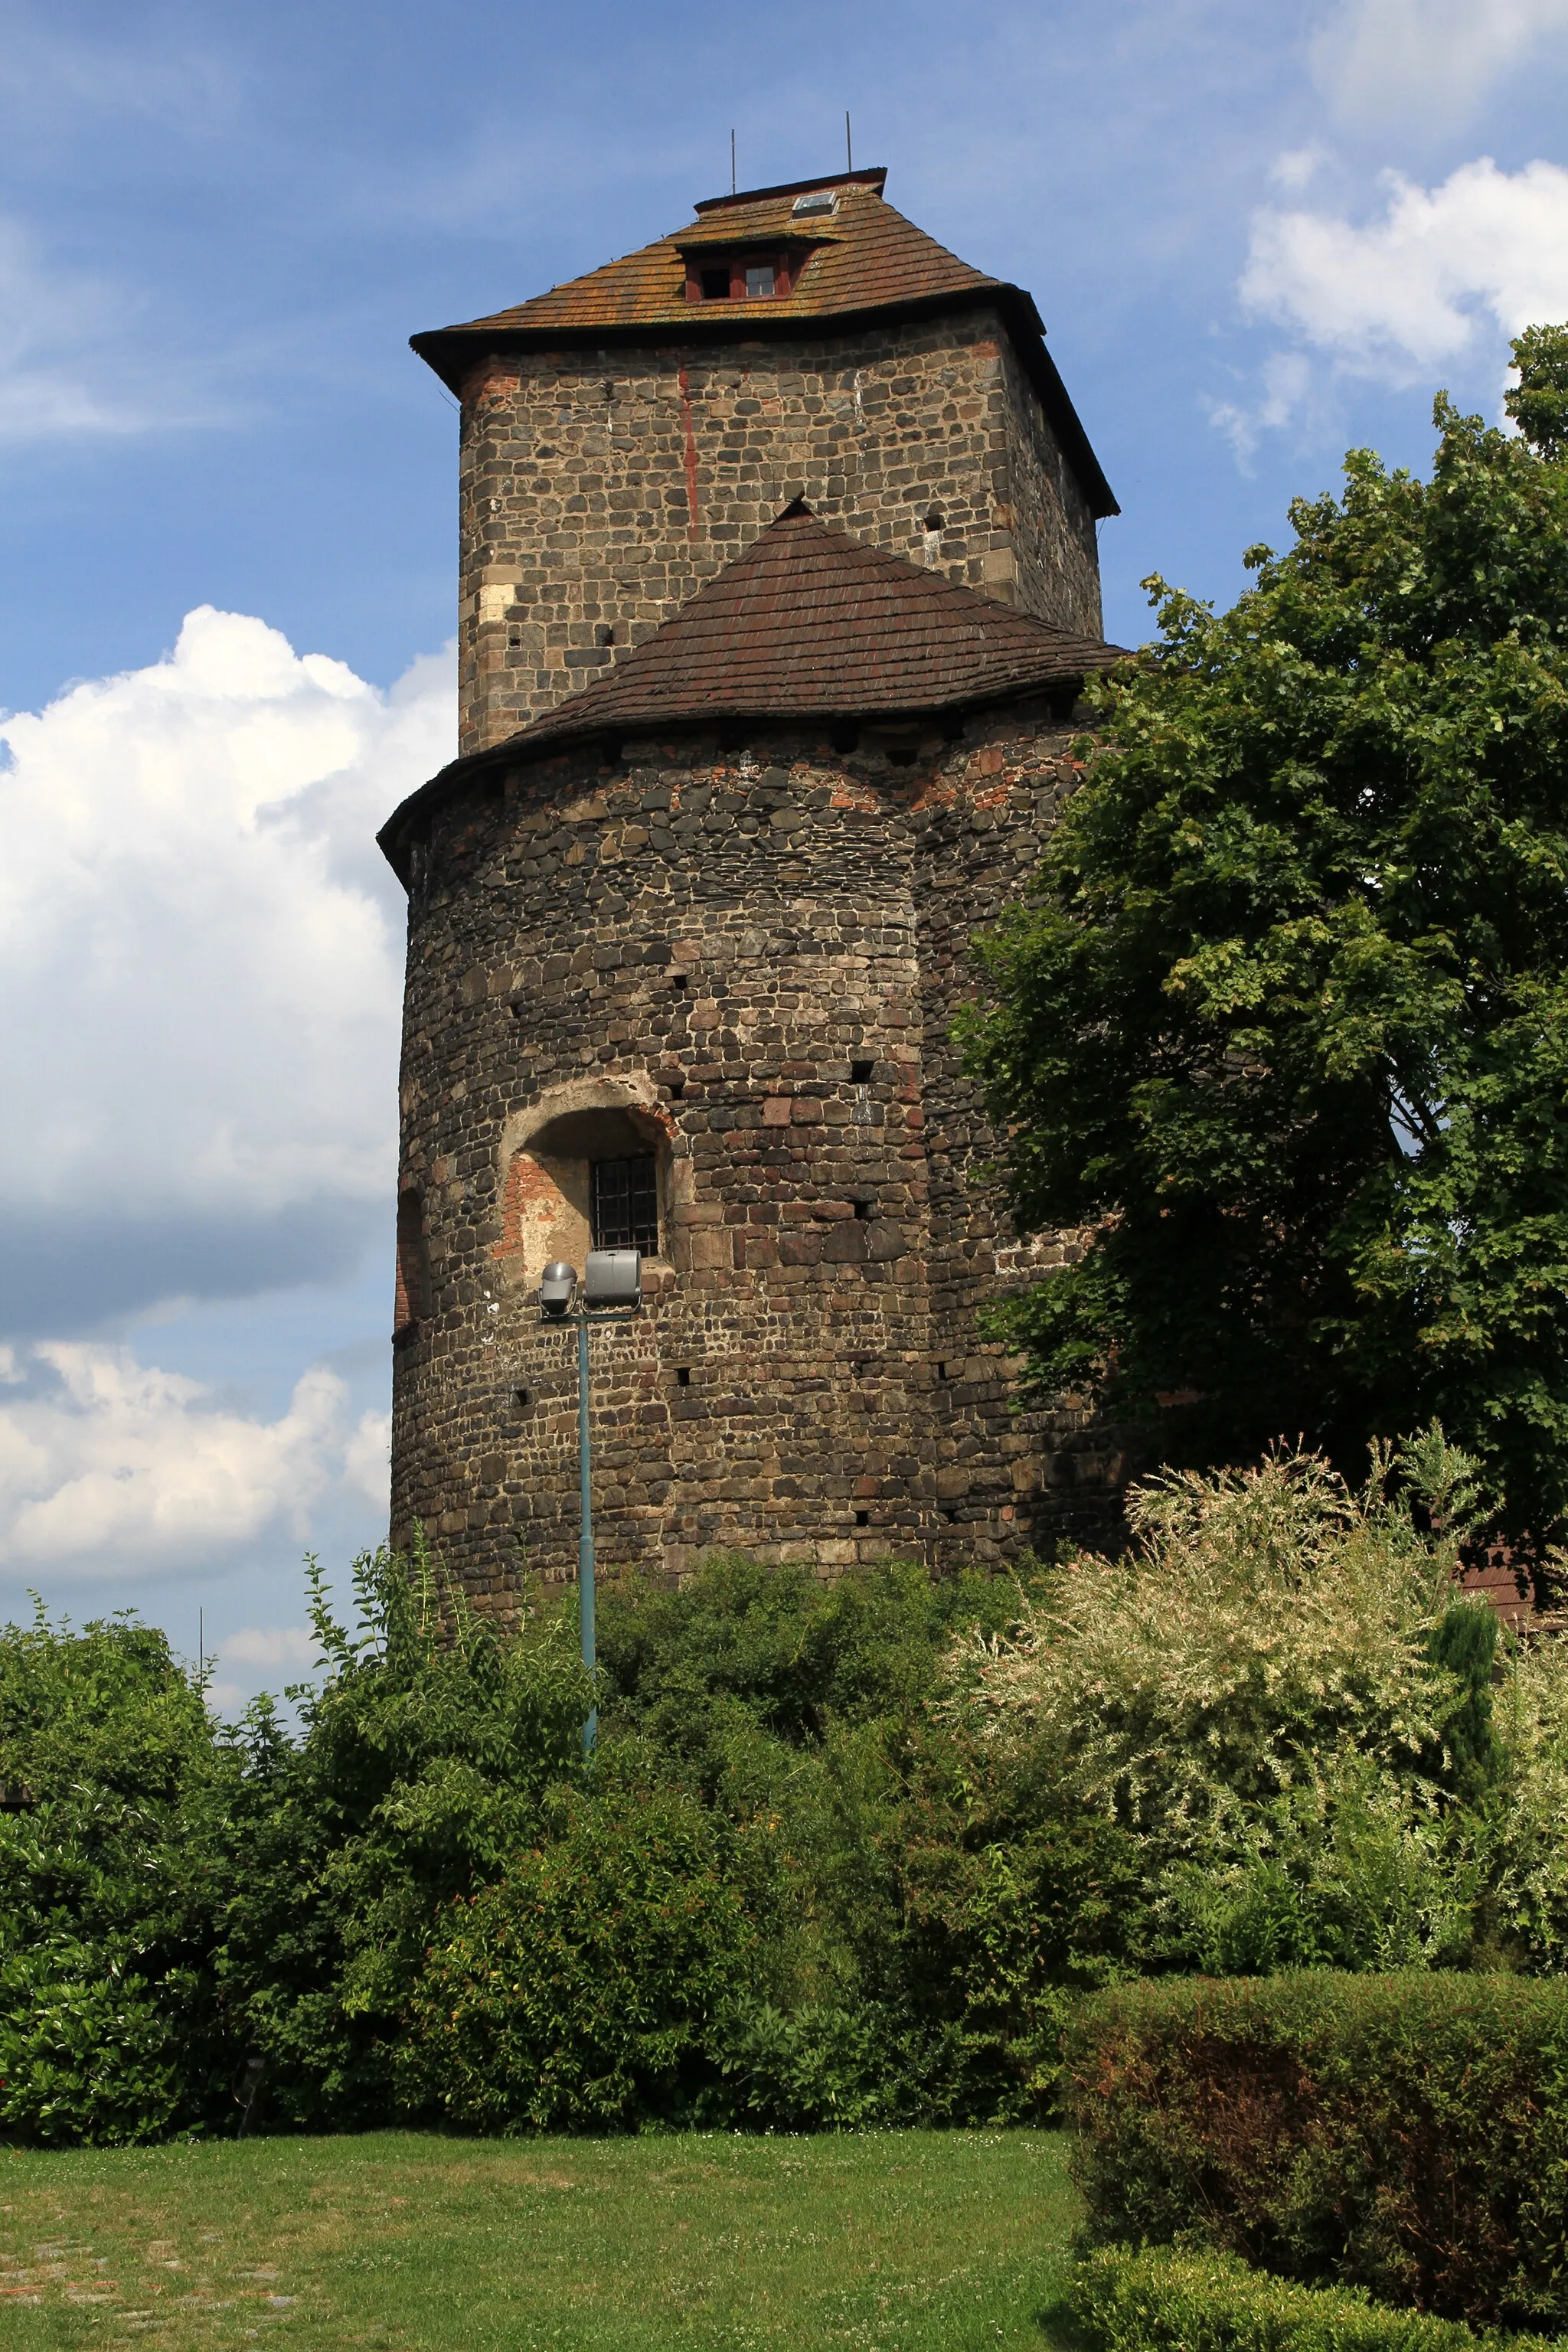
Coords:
pixel 625 1204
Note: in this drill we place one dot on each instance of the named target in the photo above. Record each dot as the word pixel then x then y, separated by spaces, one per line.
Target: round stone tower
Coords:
pixel 779 589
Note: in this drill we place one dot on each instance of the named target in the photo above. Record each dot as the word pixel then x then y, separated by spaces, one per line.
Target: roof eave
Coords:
pixel 453 351
pixel 540 740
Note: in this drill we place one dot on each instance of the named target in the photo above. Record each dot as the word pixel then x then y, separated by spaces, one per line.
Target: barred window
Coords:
pixel 625 1204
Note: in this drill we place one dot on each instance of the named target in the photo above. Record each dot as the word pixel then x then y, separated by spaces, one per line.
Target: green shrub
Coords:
pixel 1162 2301
pixel 116 1866
pixel 90 2052
pixel 582 1992
pixel 1405 2134
pixel 1352 1867
pixel 426 1758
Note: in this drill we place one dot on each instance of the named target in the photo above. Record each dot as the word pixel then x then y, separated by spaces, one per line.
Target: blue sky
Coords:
pixel 1257 234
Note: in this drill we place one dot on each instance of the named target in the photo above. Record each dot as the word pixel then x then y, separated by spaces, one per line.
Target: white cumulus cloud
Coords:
pixel 108 1465
pixel 267 1646
pixel 200 951
pixel 1431 60
pixel 367 1458
pixel 1483 254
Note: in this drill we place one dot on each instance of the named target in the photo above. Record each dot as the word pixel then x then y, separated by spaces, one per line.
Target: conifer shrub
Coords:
pixel 1161 2299
pixel 1403 2133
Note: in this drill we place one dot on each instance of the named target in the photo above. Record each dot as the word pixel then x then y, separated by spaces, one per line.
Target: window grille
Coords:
pixel 625 1204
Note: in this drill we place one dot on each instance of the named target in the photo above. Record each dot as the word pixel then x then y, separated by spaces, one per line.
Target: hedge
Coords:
pixel 1165 2301
pixel 1403 2133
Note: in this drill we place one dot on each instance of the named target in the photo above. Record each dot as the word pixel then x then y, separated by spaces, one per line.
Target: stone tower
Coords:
pixel 779 586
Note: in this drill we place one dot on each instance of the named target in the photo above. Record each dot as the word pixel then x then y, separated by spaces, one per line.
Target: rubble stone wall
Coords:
pixel 747 959
pixel 600 488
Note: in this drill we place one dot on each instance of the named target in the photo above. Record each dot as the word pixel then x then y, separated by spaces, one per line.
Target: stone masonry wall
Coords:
pixel 752 955
pixel 600 488
pixel 1039 498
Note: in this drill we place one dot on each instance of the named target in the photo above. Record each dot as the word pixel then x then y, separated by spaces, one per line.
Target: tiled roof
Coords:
pixel 807 622
pixel 811 623
pixel 863 258
pixel 863 255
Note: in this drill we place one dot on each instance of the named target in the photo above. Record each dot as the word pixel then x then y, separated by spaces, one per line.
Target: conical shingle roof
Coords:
pixel 807 624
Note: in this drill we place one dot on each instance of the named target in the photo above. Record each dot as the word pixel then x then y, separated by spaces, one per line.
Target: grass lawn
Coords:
pixel 885 2242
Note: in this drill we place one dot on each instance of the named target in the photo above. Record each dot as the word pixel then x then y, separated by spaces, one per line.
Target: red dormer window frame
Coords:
pixel 785 263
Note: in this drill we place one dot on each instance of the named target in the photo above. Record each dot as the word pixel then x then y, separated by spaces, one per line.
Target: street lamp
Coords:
pixel 610 1293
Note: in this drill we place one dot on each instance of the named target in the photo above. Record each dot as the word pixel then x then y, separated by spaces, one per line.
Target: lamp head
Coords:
pixel 557 1283
pixel 613 1277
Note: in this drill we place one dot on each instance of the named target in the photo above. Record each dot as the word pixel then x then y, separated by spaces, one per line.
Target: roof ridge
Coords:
pixel 874 176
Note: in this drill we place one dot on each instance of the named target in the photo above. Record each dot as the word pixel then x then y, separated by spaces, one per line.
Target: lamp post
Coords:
pixel 611 1292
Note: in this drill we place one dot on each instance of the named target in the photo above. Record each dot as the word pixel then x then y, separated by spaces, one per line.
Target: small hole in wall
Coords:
pixel 942 1371
pixel 860 1072
pixel 933 521
pixel 523 1399
pixel 683 1376
pixel 677 1089
pixel 862 1518
pixel 677 983
pixel 514 640
pixel 516 1008
pixel 605 634
pixel 863 1208
pixel 949 1513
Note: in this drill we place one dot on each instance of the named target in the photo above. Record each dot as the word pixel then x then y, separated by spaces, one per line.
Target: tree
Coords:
pixel 1283 1030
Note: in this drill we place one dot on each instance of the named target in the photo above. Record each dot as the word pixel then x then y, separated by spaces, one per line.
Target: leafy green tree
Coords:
pixel 1283 1032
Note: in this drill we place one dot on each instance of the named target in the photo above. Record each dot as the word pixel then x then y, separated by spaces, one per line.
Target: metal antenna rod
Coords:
pixel 848 150
pixel 731 162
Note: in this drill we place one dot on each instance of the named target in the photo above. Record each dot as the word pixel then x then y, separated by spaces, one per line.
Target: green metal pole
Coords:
pixel 586 1541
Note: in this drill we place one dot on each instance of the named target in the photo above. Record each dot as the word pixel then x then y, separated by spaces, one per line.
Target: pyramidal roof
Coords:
pixel 860 259
pixel 861 255
pixel 807 624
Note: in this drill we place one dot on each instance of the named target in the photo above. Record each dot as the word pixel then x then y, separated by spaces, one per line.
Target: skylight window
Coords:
pixel 815 200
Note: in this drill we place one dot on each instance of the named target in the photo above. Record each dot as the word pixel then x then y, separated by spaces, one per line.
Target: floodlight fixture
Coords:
pixel 612 1279
pixel 556 1286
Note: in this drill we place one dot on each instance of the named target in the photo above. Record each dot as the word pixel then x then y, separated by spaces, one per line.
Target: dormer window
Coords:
pixel 743 277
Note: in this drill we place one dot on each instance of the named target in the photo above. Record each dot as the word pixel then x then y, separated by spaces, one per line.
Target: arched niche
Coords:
pixel 589 1165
